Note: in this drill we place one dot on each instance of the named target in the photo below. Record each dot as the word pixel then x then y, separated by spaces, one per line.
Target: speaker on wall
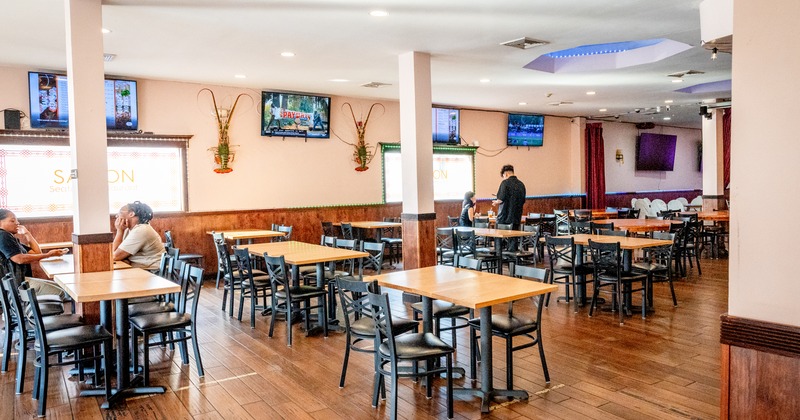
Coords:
pixel 12 119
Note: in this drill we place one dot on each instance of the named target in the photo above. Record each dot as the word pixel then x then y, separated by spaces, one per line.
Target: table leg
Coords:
pixel 498 250
pixel 581 279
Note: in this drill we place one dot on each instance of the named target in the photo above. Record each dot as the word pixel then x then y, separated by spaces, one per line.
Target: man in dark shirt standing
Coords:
pixel 510 197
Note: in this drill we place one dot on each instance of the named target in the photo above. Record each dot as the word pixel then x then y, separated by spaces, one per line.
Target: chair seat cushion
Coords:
pixel 649 267
pixel 185 257
pixel 417 346
pixel 258 282
pixel 580 269
pixel 149 308
pixel 160 320
pixel 301 291
pixel 392 240
pixel 508 325
pixel 442 309
pixel 60 322
pixel 364 326
pixel 71 337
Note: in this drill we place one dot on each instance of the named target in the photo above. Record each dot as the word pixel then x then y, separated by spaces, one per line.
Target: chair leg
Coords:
pixel 146 358
pixel 541 355
pixel 43 384
pixel 324 319
pixel 289 311
pixel 253 304
pixel 135 351
pixel 509 364
pixel 449 361
pixel 394 393
pixel 183 347
pixel 672 290
pixel 241 305
pixel 8 338
pixel 224 296
pixel 346 360
pixel 22 352
pixel 107 352
pixel 196 348
pixel 274 315
pixel 473 353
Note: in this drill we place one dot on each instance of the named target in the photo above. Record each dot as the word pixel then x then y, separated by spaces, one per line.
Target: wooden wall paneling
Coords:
pixel 724 385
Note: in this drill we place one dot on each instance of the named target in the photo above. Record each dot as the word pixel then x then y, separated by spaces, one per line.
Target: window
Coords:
pixel 36 180
pixel 453 172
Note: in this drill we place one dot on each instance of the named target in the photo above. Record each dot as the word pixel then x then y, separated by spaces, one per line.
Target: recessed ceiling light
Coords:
pixel 485 80
pixel 379 13
pixel 105 31
pixel 668 101
pixel 240 76
pixel 338 80
pixel 677 81
pixel 523 103
pixel 667 118
pixel 602 110
pixel 287 54
pixel 591 92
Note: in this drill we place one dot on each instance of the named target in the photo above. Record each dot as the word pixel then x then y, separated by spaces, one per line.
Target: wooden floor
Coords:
pixel 665 367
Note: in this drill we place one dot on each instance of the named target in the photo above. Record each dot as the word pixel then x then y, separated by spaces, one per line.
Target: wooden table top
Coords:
pixel 239 234
pixel 118 284
pixel 717 216
pixel 625 242
pixel 497 233
pixel 598 213
pixel 65 264
pixel 55 245
pixel 473 289
pixel 301 253
pixel 641 225
pixel 372 225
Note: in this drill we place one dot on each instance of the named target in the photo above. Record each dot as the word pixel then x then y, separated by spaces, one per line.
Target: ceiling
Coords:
pixel 210 41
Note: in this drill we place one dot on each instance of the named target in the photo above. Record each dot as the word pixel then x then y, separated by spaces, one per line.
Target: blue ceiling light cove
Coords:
pixel 615 55
pixel 710 87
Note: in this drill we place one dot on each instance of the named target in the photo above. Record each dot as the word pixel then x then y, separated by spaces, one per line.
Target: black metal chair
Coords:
pixel 453 221
pixel 232 280
pixel 657 264
pixel 608 272
pixel 391 349
pixel 513 325
pixel 373 261
pixel 360 333
pixel 288 299
pixel 218 237
pixel 196 259
pixel 444 246
pixel 582 215
pixel 15 320
pixel 580 226
pixel 327 229
pixel 74 339
pixel 564 269
pixel 287 230
pixel 347 230
pixel 561 222
pixel 393 240
pixel 180 325
pixel 594 227
pixel 466 245
pixel 254 287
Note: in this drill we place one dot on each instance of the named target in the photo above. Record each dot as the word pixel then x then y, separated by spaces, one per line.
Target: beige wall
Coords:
pixel 625 178
pixel 764 163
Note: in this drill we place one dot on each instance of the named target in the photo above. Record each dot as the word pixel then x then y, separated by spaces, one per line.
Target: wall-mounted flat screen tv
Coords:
pixel 445 125
pixel 49 107
pixel 655 152
pixel 295 115
pixel 525 130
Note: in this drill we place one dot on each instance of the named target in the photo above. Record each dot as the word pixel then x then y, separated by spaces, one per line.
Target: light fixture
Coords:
pixel 105 31
pixel 667 118
pixel 523 103
pixel 620 158
pixel 240 76
pixel 677 81
pixel 485 80
pixel 668 101
pixel 338 80
pixel 714 53
pixel 591 92
pixel 287 54
pixel 379 13
pixel 602 110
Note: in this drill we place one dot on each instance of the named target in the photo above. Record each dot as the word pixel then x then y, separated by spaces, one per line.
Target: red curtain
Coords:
pixel 726 146
pixel 595 167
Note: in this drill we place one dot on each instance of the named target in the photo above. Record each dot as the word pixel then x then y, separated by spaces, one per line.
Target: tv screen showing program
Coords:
pixel 50 109
pixel 445 125
pixel 525 130
pixel 295 115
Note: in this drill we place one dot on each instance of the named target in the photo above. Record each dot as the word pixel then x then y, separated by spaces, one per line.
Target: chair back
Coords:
pixel 481 222
pixel 606 259
pixel 374 260
pixel 634 213
pixel 691 216
pixel 347 230
pixel 527 242
pixel 623 213
pixel 612 232
pixel 505 226
pixel 464 241
pixel 327 229
pixel 560 249
pixel 354 300
pixel 223 257
pixel 288 233
pixel 382 321
pixel 582 214
pixel 34 316
pixel 328 241
pixel 191 285
pixel 168 242
pixel 453 221
pixel 278 276
pixel 244 265
pixel 11 308
pixel 352 245
pixel 580 226
pixel 468 263
pixel 561 222
pixel 662 255
pixel 547 224
pixel 596 226
pixel 526 272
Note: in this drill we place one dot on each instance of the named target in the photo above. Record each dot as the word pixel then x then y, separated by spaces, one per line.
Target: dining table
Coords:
pixel 498 235
pixel 65 264
pixel 117 286
pixel 476 290
pixel 364 226
pixel 297 254
pixel 598 213
pixel 46 246
pixel 715 215
pixel 239 235
pixel 642 225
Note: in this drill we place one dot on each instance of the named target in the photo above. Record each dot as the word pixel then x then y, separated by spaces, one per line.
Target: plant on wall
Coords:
pixel 362 151
pixel 224 151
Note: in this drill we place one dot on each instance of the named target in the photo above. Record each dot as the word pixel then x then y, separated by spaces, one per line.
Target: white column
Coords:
pixel 577 143
pixel 713 167
pixel 416 137
pixel 87 127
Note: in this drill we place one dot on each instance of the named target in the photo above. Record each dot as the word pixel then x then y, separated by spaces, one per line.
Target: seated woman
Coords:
pixel 136 241
pixel 18 249
pixel 467 210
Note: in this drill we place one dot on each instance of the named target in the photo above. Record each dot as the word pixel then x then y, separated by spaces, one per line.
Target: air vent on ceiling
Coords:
pixel 559 103
pixel 524 43
pixel 375 84
pixel 680 74
pixel 109 57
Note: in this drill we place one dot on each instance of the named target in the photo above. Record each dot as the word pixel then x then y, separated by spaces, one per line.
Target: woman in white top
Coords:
pixel 136 241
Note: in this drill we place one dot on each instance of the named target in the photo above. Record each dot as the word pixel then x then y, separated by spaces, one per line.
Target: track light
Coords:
pixel 714 53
